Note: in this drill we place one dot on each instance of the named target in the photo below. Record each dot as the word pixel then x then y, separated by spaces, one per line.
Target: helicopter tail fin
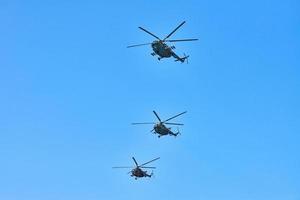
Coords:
pixel 177 133
pixel 151 175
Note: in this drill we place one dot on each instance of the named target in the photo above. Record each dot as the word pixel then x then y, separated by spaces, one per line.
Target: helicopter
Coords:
pixel 160 127
pixel 138 171
pixel 161 49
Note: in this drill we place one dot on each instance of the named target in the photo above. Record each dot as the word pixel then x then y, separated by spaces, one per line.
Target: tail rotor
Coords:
pixel 151 175
pixel 186 58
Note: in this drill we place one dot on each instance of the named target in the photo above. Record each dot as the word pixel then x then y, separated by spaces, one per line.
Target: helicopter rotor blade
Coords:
pixel 149 162
pixel 148 167
pixel 137 45
pixel 178 124
pixel 135 162
pixel 121 167
pixel 142 123
pixel 181 40
pixel 174 116
pixel 157 116
pixel 149 33
pixel 174 31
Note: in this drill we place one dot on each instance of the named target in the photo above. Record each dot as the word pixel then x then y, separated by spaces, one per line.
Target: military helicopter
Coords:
pixel 160 128
pixel 137 171
pixel 161 49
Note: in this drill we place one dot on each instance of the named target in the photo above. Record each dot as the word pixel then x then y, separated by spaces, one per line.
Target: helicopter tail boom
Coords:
pixel 175 134
pixel 182 59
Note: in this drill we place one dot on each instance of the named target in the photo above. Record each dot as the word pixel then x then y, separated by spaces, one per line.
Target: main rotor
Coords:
pixel 164 121
pixel 163 40
pixel 137 166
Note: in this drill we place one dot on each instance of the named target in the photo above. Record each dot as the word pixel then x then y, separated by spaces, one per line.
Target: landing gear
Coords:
pixel 152 54
pixel 159 136
pixel 159 58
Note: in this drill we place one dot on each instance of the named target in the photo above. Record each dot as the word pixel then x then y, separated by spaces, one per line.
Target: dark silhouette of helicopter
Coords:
pixel 137 171
pixel 160 127
pixel 160 47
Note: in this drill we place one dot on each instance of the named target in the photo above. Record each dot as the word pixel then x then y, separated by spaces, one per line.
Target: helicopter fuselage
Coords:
pixel 162 49
pixel 161 129
pixel 139 173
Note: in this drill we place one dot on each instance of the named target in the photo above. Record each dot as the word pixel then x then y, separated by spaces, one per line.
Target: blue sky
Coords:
pixel 69 90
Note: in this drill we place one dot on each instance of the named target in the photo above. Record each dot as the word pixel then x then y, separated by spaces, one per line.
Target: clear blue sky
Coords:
pixel 69 90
